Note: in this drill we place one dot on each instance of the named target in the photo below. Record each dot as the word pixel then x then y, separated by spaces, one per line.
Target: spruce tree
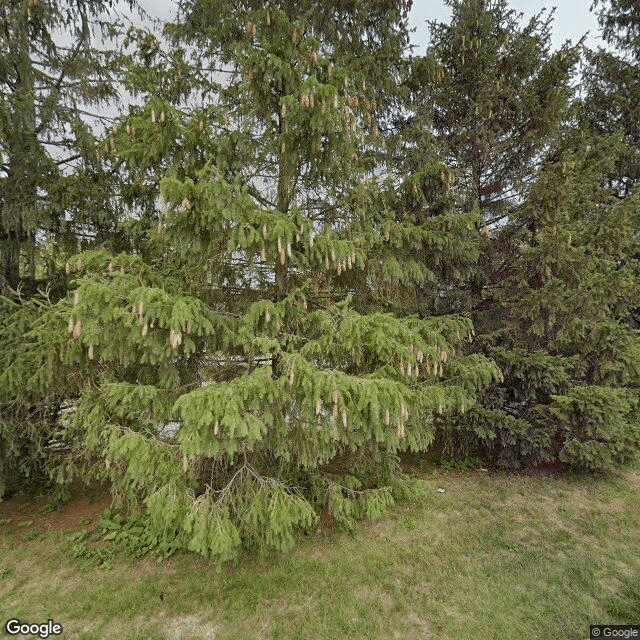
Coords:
pixel 561 312
pixel 552 297
pixel 490 95
pixel 54 81
pixel 237 323
pixel 612 88
pixel 493 94
pixel 55 78
pixel 497 100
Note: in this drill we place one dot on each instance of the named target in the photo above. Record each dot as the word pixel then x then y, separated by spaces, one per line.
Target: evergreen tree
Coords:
pixel 54 194
pixel 490 94
pixel 545 294
pixel 561 309
pixel 238 323
pixel 52 74
pixel 426 245
pixel 493 94
pixel 612 89
pixel 620 21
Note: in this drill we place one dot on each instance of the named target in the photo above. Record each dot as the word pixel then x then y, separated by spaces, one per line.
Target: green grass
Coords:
pixel 491 558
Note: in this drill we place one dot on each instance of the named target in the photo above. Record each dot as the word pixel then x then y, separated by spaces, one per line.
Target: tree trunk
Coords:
pixel 20 188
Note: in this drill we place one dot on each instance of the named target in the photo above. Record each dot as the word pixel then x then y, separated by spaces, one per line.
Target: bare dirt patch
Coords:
pixel 22 511
pixel 190 627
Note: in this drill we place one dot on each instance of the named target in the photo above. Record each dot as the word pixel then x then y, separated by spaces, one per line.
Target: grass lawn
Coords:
pixel 492 557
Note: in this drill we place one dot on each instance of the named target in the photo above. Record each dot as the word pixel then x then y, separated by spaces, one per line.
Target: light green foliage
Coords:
pixel 289 303
pixel 245 319
pixel 32 392
pixel 56 79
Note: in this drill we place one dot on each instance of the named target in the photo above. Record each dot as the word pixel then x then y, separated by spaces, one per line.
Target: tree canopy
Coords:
pixel 294 232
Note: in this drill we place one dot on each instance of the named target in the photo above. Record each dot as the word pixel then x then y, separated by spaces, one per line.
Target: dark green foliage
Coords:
pixel 620 21
pixel 493 94
pixel 557 281
pixel 612 90
pixel 599 425
pixel 565 297
pixel 53 192
pixel 612 105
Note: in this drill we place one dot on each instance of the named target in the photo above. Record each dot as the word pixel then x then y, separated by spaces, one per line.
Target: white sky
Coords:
pixel 572 18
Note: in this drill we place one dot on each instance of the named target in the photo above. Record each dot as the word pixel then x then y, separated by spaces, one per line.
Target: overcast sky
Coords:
pixel 572 18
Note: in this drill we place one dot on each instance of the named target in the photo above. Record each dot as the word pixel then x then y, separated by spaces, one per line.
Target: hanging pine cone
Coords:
pixel 77 329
